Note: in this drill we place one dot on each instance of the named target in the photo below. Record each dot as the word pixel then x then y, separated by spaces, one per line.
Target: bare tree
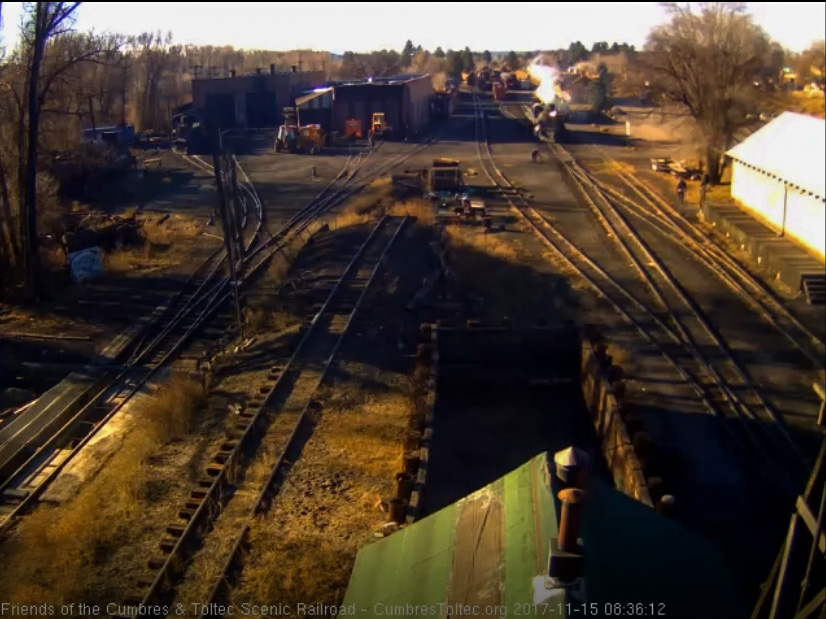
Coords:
pixel 154 52
pixel 811 65
pixel 707 62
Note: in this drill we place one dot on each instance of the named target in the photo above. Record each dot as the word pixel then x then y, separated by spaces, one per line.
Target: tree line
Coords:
pixel 455 62
pixel 57 80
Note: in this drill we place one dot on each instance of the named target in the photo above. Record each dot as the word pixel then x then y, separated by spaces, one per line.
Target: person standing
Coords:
pixel 681 187
pixel 704 187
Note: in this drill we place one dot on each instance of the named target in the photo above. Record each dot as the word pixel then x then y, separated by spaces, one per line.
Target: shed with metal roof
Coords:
pixel 487 555
pixel 779 175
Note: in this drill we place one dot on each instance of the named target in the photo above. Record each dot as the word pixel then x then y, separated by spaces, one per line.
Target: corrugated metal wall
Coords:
pixel 418 93
pixel 764 196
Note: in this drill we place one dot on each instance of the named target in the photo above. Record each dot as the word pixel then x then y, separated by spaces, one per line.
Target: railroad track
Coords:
pixel 164 336
pixel 663 216
pixel 667 317
pixel 232 493
pixel 167 332
pixel 38 459
pixel 657 212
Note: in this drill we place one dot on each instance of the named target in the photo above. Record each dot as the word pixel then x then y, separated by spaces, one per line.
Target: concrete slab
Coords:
pixel 100 448
pixel 784 259
pixel 21 436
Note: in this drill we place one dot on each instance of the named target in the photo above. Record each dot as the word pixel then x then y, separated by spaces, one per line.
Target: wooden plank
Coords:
pixel 477 552
pixel 520 529
pixel 777 601
pixel 811 522
pixel 810 608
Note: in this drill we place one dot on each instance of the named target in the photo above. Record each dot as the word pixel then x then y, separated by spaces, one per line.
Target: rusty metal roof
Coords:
pixel 491 550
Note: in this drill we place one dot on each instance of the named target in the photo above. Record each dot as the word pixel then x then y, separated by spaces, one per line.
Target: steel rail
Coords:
pixel 208 509
pixel 292 450
pixel 532 217
pixel 726 266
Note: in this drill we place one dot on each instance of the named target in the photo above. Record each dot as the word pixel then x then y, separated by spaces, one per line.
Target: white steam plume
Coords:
pixel 548 89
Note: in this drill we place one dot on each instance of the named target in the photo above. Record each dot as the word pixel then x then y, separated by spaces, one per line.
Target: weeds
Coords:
pixel 260 319
pixel 163 247
pixel 492 269
pixel 349 219
pixel 55 546
pixel 376 194
pixel 421 209
pixel 309 553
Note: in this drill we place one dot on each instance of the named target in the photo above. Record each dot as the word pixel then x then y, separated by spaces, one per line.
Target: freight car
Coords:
pixel 444 103
pixel 483 79
pixel 500 91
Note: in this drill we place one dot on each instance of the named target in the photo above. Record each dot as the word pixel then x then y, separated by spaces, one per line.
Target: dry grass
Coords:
pixel 166 241
pixel 718 194
pixel 370 198
pixel 624 358
pixel 260 319
pixel 493 245
pixel 327 511
pixel 421 209
pixel 507 277
pixel 52 557
pixel 349 219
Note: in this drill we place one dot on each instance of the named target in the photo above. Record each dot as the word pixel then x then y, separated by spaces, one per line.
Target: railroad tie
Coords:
pixel 167 544
pixel 222 456
pixel 198 493
pixel 214 468
pixel 241 425
pixel 186 514
pixel 234 434
pixel 144 582
pixel 175 529
pixel 132 600
pixel 156 563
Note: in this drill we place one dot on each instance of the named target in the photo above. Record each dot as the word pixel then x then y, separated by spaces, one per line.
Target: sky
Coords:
pixel 366 26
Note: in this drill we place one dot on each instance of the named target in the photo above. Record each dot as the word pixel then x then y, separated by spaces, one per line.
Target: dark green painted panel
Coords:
pixel 406 574
pixel 520 541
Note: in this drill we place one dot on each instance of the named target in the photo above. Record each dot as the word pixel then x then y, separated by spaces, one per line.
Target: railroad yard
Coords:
pixel 303 358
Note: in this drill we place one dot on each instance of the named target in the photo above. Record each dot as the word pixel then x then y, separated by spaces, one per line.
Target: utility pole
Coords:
pixel 236 208
pixel 222 207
